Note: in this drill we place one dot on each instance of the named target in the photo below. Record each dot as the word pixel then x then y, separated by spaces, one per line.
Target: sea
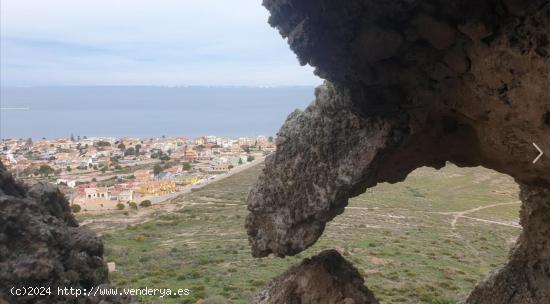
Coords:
pixel 145 112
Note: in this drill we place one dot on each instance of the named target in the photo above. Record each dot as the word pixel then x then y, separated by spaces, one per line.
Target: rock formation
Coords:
pixel 526 277
pixel 409 84
pixel 324 279
pixel 41 245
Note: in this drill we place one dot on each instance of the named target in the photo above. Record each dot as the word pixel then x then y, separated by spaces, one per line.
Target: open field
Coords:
pixel 428 239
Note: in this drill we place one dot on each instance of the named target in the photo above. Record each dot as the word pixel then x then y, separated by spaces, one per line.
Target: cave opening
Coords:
pixel 430 238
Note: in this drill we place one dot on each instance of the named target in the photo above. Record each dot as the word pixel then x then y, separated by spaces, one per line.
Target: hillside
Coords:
pixel 428 239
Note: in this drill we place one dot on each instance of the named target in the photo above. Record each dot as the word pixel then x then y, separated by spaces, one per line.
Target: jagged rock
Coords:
pixel 41 245
pixel 320 146
pixel 326 278
pixel 525 278
pixel 475 103
pixel 410 84
pixel 439 34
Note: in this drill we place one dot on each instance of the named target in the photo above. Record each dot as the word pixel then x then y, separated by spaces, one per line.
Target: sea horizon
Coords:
pixel 147 111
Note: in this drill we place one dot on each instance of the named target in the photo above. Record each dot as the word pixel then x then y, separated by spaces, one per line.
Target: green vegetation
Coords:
pixel 75 208
pixel 120 206
pixel 157 169
pixel 145 203
pixel 102 143
pixel 130 151
pixel 399 236
pixel 44 170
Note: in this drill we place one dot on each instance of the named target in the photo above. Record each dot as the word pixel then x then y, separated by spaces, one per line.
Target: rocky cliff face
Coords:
pixel 410 84
pixel 41 245
pixel 324 279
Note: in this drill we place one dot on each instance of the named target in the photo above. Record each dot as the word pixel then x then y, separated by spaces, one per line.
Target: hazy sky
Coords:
pixel 144 42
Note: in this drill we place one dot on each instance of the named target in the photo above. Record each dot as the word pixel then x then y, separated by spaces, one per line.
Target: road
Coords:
pixel 189 188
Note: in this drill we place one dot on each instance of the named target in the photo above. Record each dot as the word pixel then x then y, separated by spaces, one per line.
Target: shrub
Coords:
pixel 144 259
pixel 133 205
pixel 215 300
pixel 145 203
pixel 120 206
pixel 75 208
pixel 139 238
pixel 442 301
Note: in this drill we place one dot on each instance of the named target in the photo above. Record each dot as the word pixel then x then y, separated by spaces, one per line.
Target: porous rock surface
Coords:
pixel 411 83
pixel 526 277
pixel 41 245
pixel 326 278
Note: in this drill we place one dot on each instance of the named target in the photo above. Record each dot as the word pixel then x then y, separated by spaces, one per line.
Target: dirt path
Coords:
pixel 110 220
pixel 117 219
pixel 462 214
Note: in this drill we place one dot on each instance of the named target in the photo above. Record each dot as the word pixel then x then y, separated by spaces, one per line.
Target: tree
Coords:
pixel 29 142
pixel 120 206
pixel 103 143
pixel 121 146
pixel 72 137
pixel 250 158
pixel 270 139
pixel 45 170
pixel 240 161
pixel 186 166
pixel 104 169
pixel 75 208
pixel 230 167
pixel 69 169
pixel 138 147
pixel 156 153
pixel 133 205
pixel 145 203
pixel 157 169
pixel 130 151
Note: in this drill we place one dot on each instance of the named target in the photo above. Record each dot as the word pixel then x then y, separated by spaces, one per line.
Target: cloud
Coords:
pixel 138 42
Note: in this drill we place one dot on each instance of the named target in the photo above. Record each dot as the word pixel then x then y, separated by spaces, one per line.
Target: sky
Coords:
pixel 144 42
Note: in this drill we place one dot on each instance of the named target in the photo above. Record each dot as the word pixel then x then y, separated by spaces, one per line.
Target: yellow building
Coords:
pixel 191 180
pixel 161 187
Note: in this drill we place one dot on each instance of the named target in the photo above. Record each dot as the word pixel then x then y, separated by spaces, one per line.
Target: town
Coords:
pixel 106 173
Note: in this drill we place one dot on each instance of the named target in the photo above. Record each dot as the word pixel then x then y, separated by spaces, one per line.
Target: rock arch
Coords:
pixel 410 84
